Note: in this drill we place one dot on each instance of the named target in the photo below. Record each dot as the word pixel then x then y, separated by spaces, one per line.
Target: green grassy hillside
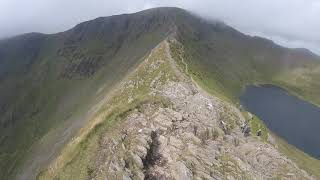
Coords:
pixel 48 83
pixel 225 60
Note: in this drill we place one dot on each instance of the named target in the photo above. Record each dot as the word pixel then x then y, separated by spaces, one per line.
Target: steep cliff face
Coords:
pixel 177 131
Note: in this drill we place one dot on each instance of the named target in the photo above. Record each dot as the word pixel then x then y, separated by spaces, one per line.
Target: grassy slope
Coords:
pixel 226 60
pixel 65 75
pixel 303 82
pixel 229 73
pixel 78 156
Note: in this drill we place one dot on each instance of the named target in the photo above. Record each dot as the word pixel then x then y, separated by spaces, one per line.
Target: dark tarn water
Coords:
pixel 293 119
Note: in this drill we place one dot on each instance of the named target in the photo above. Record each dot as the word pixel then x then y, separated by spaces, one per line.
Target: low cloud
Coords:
pixel 292 23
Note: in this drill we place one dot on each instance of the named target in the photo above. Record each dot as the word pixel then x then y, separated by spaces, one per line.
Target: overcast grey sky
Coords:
pixel 293 23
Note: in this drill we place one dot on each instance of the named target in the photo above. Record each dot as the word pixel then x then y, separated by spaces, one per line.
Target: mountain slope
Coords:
pixel 50 81
pixel 226 60
pixel 52 85
pixel 170 129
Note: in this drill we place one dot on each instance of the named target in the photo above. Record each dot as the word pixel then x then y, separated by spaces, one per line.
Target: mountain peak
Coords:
pixel 168 11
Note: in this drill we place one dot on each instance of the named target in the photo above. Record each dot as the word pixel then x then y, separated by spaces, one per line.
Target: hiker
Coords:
pixel 244 126
pixel 259 132
pixel 247 131
pixel 223 126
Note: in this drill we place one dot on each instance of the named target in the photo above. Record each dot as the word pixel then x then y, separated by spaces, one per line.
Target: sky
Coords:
pixel 291 23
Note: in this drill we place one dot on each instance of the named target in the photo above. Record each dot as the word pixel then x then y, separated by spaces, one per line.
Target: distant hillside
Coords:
pixel 49 84
pixel 225 60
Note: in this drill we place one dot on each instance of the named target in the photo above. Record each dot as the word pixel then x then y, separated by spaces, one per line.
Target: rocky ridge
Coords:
pixel 188 134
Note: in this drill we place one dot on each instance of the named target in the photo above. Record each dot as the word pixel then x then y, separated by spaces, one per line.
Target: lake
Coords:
pixel 291 118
